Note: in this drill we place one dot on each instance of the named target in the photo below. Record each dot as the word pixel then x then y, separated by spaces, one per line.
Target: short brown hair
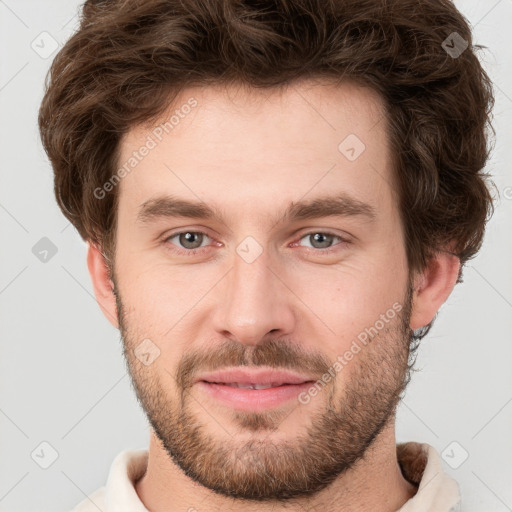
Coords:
pixel 130 58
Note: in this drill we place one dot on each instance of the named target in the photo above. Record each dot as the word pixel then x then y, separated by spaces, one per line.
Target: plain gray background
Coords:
pixel 63 379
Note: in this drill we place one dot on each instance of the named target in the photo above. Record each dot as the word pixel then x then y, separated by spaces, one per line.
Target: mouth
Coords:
pixel 254 390
pixel 251 385
pixel 244 377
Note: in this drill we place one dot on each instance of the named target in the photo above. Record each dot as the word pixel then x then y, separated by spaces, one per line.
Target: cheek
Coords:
pixel 343 301
pixel 152 288
pixel 162 304
pixel 353 289
pixel 147 304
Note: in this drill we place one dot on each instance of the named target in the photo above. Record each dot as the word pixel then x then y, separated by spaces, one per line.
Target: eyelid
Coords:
pixel 181 250
pixel 344 241
pixel 325 231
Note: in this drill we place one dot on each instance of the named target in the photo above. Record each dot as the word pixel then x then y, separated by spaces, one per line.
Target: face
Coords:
pixel 261 234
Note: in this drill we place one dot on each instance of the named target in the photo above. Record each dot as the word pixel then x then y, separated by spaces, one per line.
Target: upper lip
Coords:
pixel 244 376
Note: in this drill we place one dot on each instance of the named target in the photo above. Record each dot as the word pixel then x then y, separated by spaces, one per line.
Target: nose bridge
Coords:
pixel 250 281
pixel 254 301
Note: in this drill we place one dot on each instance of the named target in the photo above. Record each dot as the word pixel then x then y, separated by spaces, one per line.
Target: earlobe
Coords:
pixel 432 287
pixel 102 284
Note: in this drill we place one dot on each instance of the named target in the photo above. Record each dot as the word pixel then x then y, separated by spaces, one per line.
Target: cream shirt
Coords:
pixel 420 464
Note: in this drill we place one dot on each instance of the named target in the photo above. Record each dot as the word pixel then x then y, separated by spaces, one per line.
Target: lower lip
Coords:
pixel 254 400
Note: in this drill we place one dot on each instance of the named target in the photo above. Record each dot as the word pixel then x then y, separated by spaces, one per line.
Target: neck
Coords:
pixel 374 483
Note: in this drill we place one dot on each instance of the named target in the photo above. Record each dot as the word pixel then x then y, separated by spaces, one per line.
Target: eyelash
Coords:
pixel 192 252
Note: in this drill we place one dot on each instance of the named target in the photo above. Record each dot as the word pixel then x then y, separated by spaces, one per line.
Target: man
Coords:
pixel 278 197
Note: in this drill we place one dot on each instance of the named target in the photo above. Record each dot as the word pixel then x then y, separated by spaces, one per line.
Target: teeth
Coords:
pixel 252 386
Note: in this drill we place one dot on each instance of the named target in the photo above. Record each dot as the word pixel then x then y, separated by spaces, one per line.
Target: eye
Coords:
pixel 188 241
pixel 192 242
pixel 323 240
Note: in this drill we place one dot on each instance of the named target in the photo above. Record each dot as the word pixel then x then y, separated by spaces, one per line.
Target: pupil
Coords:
pixel 322 239
pixel 188 238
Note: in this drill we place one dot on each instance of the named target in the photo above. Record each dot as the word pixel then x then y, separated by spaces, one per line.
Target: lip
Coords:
pixel 253 400
pixel 259 376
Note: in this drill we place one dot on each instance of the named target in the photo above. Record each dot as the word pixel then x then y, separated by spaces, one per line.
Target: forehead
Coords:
pixel 227 144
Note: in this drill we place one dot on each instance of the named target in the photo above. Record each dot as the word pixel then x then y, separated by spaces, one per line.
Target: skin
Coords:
pixel 250 153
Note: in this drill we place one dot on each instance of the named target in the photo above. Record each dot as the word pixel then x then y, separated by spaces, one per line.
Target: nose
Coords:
pixel 253 302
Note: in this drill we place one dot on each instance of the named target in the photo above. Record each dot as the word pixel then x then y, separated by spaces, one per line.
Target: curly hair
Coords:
pixel 129 59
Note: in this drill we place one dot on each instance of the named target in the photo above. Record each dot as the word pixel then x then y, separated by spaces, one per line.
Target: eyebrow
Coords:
pixel 341 205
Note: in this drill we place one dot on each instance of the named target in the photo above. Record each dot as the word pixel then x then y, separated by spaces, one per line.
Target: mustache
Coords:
pixel 282 354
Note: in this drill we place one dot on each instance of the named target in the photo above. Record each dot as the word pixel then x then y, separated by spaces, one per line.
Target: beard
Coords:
pixel 343 420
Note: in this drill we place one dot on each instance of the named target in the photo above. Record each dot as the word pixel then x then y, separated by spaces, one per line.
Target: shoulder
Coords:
pixel 119 491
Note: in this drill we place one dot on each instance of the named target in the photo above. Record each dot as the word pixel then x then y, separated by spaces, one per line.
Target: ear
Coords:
pixel 433 286
pixel 102 284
